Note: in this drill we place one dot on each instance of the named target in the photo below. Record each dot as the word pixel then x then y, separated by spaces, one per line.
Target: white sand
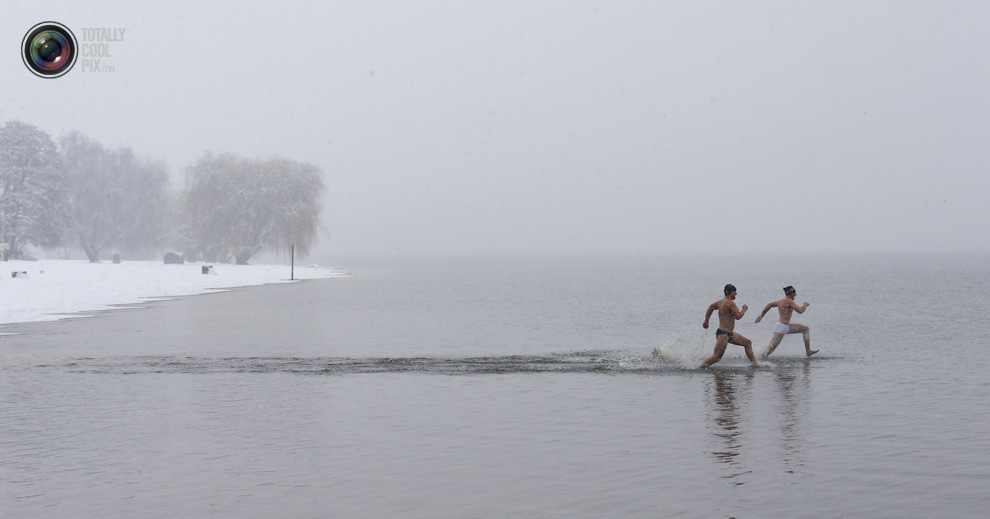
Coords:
pixel 53 289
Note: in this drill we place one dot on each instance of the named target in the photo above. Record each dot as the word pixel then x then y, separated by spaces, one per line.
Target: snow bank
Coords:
pixel 54 289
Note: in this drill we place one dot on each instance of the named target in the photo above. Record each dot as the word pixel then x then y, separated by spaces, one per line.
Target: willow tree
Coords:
pixel 238 207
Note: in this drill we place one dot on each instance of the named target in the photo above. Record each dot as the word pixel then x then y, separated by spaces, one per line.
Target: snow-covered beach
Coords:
pixel 49 290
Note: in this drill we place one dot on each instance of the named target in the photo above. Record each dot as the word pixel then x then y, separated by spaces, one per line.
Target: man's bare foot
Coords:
pixel 812 352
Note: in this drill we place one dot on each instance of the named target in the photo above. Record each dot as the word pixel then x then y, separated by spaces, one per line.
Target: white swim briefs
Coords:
pixel 781 328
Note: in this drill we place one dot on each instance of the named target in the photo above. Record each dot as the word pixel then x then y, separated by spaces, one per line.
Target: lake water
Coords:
pixel 512 388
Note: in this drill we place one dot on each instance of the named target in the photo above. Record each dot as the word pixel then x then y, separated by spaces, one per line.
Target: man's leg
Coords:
pixel 806 332
pixel 777 337
pixel 721 342
pixel 748 345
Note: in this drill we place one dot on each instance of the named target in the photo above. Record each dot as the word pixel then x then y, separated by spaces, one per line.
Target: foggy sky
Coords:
pixel 558 127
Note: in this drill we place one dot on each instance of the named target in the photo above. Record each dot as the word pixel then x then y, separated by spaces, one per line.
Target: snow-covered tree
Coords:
pixel 141 196
pixel 178 234
pixel 33 203
pixel 118 200
pixel 239 207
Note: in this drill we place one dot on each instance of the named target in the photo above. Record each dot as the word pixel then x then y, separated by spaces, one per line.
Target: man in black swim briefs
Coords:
pixel 728 313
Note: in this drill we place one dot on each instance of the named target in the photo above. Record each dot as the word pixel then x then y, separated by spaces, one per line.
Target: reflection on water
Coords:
pixel 738 399
pixel 725 415
pixel 793 387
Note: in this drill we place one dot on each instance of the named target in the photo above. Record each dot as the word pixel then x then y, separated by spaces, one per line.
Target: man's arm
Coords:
pixel 739 313
pixel 766 309
pixel 708 314
pixel 799 309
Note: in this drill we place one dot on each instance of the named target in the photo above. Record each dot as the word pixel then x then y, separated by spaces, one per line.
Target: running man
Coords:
pixel 786 307
pixel 728 313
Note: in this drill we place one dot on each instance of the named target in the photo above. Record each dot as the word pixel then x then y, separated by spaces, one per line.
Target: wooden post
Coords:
pixel 293 276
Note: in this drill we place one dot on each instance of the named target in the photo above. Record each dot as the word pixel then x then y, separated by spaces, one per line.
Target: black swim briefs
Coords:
pixel 723 332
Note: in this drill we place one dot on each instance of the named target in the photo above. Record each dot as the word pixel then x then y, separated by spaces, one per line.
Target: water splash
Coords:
pixel 678 355
pixel 684 349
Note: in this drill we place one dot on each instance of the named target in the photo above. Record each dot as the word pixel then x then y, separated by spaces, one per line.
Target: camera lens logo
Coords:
pixel 49 49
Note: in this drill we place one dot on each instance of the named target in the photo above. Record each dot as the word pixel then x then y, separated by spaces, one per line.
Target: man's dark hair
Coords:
pixel 729 288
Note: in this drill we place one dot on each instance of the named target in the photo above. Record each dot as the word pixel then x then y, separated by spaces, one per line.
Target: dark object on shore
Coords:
pixel 19 274
pixel 208 269
pixel 173 258
pixel 116 259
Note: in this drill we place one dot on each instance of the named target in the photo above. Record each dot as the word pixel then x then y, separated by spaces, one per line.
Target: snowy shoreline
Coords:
pixel 57 289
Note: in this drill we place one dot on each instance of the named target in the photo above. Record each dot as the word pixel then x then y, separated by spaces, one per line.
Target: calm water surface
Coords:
pixel 511 389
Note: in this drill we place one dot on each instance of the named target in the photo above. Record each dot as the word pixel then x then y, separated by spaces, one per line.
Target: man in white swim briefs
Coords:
pixel 786 307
